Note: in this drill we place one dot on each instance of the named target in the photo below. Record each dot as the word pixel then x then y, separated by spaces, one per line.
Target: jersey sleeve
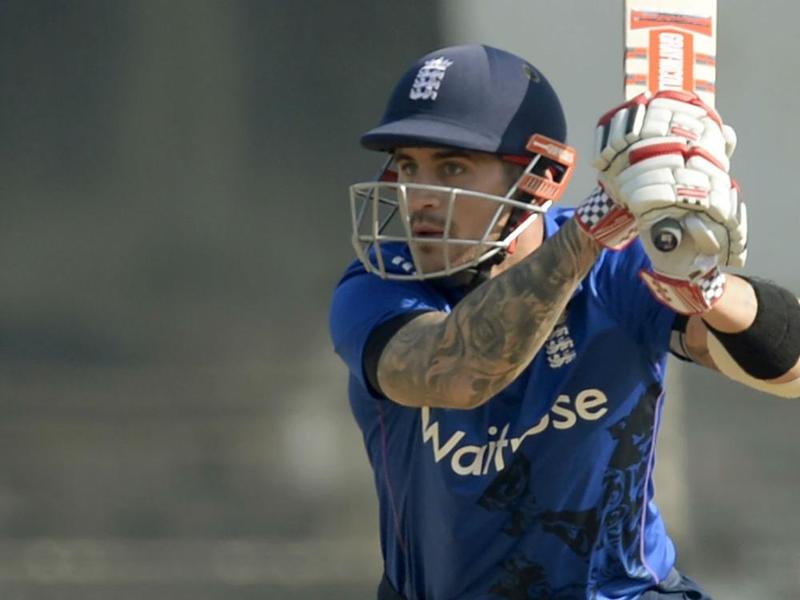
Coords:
pixel 364 301
pixel 616 282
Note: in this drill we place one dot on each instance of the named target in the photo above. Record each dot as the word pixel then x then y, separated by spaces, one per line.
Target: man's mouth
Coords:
pixel 425 228
pixel 425 231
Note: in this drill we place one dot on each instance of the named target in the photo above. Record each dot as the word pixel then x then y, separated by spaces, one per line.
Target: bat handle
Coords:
pixel 666 234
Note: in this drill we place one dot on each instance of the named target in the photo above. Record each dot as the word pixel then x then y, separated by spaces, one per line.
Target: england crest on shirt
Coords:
pixel 559 347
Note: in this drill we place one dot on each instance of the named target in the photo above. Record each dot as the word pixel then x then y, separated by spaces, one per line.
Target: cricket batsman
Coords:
pixel 507 356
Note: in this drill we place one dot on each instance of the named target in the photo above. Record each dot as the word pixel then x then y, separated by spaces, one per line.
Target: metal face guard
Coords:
pixel 383 231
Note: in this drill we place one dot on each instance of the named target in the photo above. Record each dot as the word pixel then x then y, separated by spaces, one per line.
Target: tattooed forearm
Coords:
pixel 462 359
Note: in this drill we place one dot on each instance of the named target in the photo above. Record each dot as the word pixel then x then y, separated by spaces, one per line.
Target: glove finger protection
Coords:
pixel 668 125
pixel 670 186
pixel 679 116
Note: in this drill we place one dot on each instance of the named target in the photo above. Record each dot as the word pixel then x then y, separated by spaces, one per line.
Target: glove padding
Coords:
pixel 671 181
pixel 691 221
pixel 676 116
pixel 665 158
pixel 666 117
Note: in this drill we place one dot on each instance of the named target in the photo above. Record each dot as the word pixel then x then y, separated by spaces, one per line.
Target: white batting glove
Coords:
pixel 665 158
pixel 667 116
pixel 691 221
pixel 644 120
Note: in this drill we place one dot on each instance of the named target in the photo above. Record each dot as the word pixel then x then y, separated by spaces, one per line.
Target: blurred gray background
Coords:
pixel 173 421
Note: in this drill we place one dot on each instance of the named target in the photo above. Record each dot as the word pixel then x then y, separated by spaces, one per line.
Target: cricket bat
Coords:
pixel 670 45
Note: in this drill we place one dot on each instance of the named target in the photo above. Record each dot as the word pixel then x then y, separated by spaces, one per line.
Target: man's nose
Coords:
pixel 420 198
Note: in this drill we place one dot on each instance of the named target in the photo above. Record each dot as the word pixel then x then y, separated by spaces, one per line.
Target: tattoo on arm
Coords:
pixel 464 358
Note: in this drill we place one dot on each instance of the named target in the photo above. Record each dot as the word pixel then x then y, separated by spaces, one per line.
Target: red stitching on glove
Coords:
pixel 640 154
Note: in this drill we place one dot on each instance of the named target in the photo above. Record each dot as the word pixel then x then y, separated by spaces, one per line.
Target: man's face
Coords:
pixel 475 171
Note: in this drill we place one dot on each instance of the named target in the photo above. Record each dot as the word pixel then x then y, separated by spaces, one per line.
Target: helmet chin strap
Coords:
pixel 483 271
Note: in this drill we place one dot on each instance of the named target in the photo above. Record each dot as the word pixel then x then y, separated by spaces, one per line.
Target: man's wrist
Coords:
pixel 686 297
pixel 769 345
pixel 736 309
pixel 592 243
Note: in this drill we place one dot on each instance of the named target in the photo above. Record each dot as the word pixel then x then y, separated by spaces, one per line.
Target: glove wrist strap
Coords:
pixel 606 221
pixel 684 296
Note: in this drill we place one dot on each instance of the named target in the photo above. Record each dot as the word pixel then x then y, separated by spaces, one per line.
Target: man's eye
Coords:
pixel 452 169
pixel 408 169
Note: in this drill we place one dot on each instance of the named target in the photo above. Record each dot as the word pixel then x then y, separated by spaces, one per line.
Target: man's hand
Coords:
pixel 691 222
pixel 672 176
pixel 668 116
pixel 676 185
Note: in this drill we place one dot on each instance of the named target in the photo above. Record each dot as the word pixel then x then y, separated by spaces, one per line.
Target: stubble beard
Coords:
pixel 432 255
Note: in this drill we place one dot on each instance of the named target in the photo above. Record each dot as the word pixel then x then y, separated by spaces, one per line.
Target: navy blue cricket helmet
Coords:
pixel 472 97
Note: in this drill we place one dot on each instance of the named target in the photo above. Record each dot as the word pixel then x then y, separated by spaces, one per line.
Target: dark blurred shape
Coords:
pixel 174 219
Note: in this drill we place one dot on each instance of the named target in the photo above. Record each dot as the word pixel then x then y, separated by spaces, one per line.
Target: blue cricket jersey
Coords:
pixel 546 490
